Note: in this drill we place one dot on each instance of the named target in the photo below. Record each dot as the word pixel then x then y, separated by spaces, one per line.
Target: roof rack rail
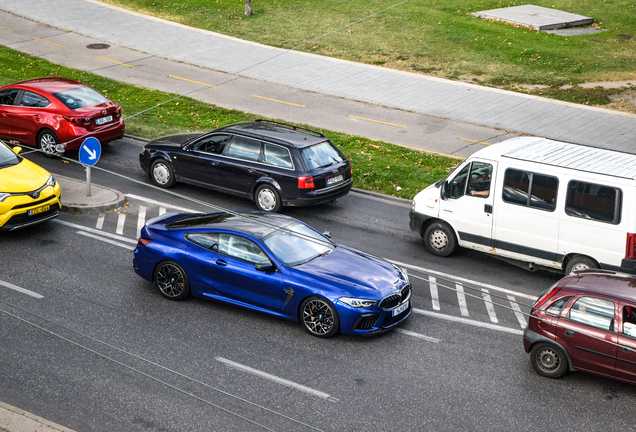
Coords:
pixel 312 132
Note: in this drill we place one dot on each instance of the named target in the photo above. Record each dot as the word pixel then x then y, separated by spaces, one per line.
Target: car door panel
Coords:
pixel 626 352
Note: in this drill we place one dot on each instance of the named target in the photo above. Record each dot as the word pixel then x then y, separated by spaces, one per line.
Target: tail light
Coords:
pixel 546 296
pixel 118 112
pixel 77 120
pixel 306 182
pixel 143 241
pixel 630 247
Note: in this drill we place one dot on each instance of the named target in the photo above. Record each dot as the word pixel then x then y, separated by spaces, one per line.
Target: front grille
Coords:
pixel 24 217
pixel 393 300
pixel 35 203
pixel 365 322
pixel 390 320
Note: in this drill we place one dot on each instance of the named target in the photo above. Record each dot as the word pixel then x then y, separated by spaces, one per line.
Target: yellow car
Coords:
pixel 29 194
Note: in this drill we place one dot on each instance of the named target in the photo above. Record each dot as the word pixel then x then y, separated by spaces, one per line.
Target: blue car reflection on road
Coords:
pixel 273 264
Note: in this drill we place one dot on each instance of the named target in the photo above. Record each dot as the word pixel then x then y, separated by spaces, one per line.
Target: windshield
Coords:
pixel 293 250
pixel 80 97
pixel 7 156
pixel 321 155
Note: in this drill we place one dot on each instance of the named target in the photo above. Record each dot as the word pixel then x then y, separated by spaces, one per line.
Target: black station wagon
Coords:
pixel 273 164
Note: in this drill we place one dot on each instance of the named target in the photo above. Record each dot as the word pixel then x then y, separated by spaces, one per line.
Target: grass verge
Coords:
pixel 434 37
pixel 378 166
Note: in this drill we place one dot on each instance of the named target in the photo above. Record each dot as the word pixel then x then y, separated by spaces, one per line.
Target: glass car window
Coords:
pixel 244 148
pixel 557 306
pixel 30 99
pixel 277 156
pixel 214 144
pixel 593 201
pixel 479 184
pixel 292 249
pixel 594 312
pixel 241 248
pixel 321 155
pixel 629 321
pixel 7 156
pixel 530 189
pixel 79 97
pixel 516 187
pixel 458 184
pixel 8 96
pixel 206 240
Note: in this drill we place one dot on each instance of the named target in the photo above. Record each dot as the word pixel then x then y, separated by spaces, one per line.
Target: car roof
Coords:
pixel 280 133
pixel 48 84
pixel 603 282
pixel 256 224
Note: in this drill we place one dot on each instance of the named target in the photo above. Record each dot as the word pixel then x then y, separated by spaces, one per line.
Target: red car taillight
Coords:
pixel 77 120
pixel 546 296
pixel 306 182
pixel 630 247
pixel 143 242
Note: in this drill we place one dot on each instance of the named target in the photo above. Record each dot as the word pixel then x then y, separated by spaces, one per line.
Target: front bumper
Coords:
pixel 369 322
pixel 16 211
pixel 417 221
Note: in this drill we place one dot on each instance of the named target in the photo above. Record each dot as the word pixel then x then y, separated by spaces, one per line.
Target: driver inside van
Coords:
pixel 480 180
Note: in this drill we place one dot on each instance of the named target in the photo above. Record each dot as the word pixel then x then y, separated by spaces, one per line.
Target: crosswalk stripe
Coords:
pixel 461 299
pixel 100 221
pixel 518 314
pixel 162 210
pixel 141 219
pixel 120 223
pixel 489 306
pixel 434 294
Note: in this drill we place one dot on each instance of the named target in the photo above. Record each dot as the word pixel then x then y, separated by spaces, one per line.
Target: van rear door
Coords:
pixel 467 203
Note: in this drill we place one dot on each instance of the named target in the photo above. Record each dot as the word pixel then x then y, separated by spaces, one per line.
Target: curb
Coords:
pixel 382 196
pixel 119 201
pixel 14 419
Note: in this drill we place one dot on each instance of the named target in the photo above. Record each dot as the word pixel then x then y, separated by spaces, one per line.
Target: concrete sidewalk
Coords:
pixel 376 85
pixel 14 419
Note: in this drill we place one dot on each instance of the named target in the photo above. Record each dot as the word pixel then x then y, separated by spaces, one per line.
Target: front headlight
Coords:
pixel 358 303
pixel 402 272
pixel 50 181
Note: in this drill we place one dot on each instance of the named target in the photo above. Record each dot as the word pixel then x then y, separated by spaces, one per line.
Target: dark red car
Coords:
pixel 56 114
pixel 586 322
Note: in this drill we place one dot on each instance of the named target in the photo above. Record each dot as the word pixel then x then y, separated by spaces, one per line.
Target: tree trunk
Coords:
pixel 248 7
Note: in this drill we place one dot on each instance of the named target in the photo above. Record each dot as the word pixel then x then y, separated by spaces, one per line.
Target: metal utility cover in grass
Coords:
pixel 537 17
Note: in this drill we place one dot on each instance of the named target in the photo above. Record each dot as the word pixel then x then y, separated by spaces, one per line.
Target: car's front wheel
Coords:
pixel 440 239
pixel 319 317
pixel 161 173
pixel 548 360
pixel 47 142
pixel 267 199
pixel 172 280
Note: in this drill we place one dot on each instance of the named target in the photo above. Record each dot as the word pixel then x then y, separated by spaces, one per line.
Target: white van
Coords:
pixel 545 202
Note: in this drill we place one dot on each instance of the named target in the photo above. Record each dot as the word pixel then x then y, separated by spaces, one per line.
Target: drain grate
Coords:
pixel 98 46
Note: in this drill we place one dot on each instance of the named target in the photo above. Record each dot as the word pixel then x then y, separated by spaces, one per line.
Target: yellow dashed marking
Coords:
pixel 115 61
pixel 189 80
pixel 473 141
pixel 378 121
pixel 4 28
pixel 52 43
pixel 279 101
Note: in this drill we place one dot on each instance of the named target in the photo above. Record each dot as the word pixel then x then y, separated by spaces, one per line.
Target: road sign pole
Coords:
pixel 88 181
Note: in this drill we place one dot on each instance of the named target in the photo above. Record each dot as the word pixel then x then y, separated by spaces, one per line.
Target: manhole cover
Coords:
pixel 624 36
pixel 98 46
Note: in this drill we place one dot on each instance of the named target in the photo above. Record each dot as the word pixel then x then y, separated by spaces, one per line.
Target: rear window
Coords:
pixel 321 155
pixel 80 97
pixel 593 201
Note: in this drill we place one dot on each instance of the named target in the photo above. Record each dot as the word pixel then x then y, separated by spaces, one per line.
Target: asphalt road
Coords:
pixel 101 350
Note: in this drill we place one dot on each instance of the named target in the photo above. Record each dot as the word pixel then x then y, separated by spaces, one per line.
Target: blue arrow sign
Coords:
pixel 90 151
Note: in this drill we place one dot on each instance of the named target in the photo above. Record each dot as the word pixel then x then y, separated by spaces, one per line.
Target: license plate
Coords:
pixel 101 121
pixel 401 308
pixel 38 210
pixel 335 179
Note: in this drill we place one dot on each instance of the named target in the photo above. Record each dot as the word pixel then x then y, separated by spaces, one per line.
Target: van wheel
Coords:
pixel 548 360
pixel 440 239
pixel 579 263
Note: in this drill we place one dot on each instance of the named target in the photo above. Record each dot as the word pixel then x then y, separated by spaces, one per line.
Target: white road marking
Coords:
pixel 101 238
pixel 276 379
pixel 121 220
pixel 518 314
pixel 461 299
pixel 159 203
pixel 434 294
pixel 162 210
pixel 417 335
pixel 100 221
pixel 141 219
pixel 468 321
pixel 22 290
pixel 489 306
pixel 94 231
pixel 461 279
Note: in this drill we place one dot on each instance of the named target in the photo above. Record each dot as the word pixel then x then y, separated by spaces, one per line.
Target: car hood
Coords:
pixel 174 140
pixel 23 177
pixel 360 274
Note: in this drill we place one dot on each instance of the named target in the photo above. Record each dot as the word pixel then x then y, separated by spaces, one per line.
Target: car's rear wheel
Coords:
pixel 548 360
pixel 172 280
pixel 440 239
pixel 47 142
pixel 161 173
pixel 579 263
pixel 319 317
pixel 267 199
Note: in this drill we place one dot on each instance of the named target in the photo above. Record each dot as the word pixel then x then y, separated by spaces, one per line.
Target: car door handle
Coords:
pixel 488 208
pixel 221 262
pixel 628 349
pixel 252 171
pixel 213 163
pixel 569 332
pixel 35 116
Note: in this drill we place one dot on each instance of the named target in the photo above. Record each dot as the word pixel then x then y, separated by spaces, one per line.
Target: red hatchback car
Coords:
pixel 56 114
pixel 586 322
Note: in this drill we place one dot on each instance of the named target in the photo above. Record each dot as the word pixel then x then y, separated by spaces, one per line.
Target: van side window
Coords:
pixel 479 184
pixel 593 201
pixel 530 189
pixel 458 184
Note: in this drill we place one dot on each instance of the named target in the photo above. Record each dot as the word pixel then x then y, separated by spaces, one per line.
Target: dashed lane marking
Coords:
pixel 21 290
pixel 115 61
pixel 279 101
pixel 52 43
pixel 378 121
pixel 476 142
pixel 192 81
pixel 417 335
pixel 104 239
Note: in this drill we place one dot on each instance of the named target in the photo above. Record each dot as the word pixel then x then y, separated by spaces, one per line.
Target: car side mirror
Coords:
pixel 445 190
pixel 17 149
pixel 327 234
pixel 265 266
